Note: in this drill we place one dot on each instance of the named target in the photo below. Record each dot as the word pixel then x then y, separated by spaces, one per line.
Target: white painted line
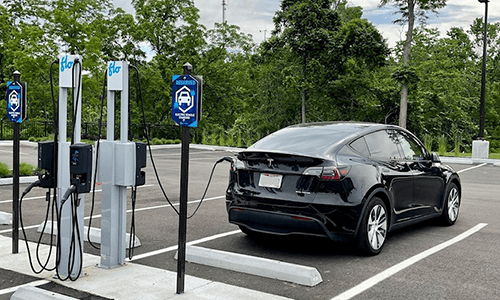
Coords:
pixel 471 168
pixel 15 288
pixel 95 234
pixel 5 218
pixel 128 211
pixel 365 285
pixel 172 248
pixel 43 197
pixel 6 151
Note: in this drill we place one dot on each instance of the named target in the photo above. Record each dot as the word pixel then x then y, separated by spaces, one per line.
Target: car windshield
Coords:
pixel 306 140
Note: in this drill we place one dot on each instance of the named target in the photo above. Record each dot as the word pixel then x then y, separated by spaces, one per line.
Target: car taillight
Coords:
pixel 327 173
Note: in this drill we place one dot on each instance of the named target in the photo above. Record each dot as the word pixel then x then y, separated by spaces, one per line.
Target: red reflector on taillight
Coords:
pixel 330 177
pixel 301 218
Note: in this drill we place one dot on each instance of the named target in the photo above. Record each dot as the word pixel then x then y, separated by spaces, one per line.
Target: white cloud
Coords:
pixel 256 16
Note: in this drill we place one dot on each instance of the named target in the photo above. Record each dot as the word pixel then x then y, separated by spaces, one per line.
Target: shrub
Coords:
pixel 442 145
pixel 26 169
pixel 4 170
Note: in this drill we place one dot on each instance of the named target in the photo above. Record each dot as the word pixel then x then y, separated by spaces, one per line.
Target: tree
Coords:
pixel 307 27
pixel 410 9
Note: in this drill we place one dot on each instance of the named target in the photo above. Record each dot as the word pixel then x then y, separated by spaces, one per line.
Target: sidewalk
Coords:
pixel 131 281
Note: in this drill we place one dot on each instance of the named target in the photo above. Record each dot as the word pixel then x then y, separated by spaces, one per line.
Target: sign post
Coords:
pixel 186 112
pixel 16 112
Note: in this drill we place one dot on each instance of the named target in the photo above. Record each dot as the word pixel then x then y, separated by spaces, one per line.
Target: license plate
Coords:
pixel 270 180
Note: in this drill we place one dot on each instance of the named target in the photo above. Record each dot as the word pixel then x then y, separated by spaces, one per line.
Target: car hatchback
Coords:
pixel 346 181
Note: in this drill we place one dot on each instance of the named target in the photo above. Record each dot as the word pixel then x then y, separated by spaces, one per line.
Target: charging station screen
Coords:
pixel 186 100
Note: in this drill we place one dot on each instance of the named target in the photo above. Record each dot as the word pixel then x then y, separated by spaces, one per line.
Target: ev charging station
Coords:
pixel 70 76
pixel 119 167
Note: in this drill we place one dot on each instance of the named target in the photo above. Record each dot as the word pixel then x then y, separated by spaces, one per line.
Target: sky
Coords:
pixel 255 17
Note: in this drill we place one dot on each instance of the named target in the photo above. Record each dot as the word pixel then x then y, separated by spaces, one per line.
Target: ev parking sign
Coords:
pixel 16 104
pixel 186 100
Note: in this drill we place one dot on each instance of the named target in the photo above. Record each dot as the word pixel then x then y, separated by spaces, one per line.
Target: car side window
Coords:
pixel 383 145
pixel 360 146
pixel 412 149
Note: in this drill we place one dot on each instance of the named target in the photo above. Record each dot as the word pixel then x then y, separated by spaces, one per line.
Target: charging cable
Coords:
pixel 148 140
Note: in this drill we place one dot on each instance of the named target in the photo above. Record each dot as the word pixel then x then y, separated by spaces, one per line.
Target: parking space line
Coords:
pixel 365 285
pixel 172 248
pixel 15 288
pixel 43 197
pixel 128 211
pixel 471 168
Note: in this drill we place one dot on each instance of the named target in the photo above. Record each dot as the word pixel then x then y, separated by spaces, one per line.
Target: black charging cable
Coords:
pixel 148 140
pixel 131 242
pixel 97 160
pixel 75 107
pixel 225 158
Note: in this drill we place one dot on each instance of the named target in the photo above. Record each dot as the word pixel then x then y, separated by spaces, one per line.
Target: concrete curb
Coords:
pixel 31 292
pixel 264 267
pixel 24 179
pixel 5 218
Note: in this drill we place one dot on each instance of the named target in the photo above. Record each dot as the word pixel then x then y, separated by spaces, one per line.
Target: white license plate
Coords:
pixel 270 180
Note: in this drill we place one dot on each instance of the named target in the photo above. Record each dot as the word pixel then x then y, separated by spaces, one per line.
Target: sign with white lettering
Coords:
pixel 16 105
pixel 186 100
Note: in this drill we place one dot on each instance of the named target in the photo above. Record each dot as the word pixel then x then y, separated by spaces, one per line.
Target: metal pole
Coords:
pixel 15 190
pixel 483 76
pixel 15 182
pixel 181 259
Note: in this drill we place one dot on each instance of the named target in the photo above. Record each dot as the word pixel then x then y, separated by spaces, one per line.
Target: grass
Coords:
pixel 25 169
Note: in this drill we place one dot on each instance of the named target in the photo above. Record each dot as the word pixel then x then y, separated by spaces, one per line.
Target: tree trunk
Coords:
pixel 304 89
pixel 406 56
pixel 303 105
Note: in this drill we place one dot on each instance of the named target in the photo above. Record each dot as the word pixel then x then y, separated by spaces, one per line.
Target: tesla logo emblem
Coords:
pixel 270 162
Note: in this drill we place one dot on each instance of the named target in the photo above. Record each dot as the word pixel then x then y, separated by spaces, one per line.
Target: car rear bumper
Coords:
pixel 280 223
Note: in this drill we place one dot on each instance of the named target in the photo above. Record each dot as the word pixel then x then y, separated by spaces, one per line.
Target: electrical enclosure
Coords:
pixel 46 162
pixel 80 167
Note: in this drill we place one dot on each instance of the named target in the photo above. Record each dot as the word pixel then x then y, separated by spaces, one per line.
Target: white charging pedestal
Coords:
pixel 116 170
pixel 69 77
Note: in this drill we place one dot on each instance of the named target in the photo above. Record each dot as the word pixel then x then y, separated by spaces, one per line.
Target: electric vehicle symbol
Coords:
pixel 14 100
pixel 185 99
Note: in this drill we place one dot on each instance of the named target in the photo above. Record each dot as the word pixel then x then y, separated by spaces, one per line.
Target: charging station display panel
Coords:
pixel 16 102
pixel 186 100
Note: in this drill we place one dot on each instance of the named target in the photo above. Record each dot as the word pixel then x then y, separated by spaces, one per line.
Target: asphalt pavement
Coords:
pixel 425 261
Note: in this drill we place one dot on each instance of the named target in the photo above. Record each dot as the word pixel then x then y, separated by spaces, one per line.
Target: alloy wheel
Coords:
pixel 377 226
pixel 453 204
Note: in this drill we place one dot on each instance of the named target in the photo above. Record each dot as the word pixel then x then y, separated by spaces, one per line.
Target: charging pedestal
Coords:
pixel 70 76
pixel 117 165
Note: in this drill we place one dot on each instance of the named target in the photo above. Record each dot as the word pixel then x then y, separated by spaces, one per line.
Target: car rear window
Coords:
pixel 314 141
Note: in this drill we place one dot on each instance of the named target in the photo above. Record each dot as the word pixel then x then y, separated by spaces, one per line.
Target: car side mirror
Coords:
pixel 435 158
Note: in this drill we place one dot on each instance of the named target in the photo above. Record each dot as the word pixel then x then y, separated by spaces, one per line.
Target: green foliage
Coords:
pixel 26 169
pixel 4 170
pixel 442 143
pixel 322 55
pixel 428 139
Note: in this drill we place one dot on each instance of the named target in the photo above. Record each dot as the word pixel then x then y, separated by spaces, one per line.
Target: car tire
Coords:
pixel 373 229
pixel 451 205
pixel 247 231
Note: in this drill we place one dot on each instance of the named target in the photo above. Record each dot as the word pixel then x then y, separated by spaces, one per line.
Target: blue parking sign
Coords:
pixel 15 103
pixel 186 100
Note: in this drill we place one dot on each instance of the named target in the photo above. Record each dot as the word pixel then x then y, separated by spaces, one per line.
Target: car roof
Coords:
pixel 315 139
